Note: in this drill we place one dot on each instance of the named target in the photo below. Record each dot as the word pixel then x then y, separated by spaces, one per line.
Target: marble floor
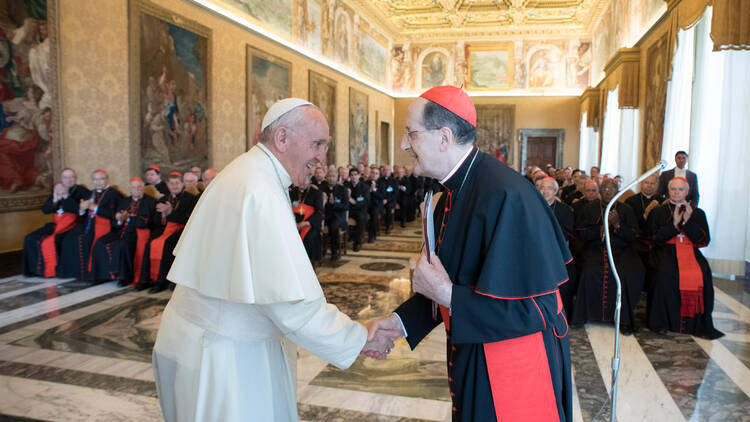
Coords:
pixel 73 352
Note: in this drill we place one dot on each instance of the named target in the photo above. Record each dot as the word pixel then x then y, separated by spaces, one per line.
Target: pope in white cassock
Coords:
pixel 245 284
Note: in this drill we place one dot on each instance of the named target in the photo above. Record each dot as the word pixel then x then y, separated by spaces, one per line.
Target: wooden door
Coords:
pixel 541 150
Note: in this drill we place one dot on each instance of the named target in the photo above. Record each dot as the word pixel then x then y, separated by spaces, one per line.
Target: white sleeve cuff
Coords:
pixel 402 325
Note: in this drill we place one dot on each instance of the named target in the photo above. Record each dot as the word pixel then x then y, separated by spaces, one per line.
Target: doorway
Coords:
pixel 540 147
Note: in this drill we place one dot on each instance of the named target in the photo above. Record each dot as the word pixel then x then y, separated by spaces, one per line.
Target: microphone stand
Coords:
pixel 618 303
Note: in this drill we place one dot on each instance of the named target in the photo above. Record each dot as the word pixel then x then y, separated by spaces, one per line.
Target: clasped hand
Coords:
pixel 381 335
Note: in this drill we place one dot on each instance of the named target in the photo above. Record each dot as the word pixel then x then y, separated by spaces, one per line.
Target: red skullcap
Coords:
pixel 154 168
pixel 456 100
pixel 681 178
pixel 100 171
pixel 212 169
pixel 175 173
pixel 136 179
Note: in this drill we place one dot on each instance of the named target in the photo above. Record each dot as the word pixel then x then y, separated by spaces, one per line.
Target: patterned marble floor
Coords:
pixel 69 351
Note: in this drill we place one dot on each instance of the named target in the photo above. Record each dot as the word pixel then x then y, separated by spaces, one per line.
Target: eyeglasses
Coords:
pixel 407 133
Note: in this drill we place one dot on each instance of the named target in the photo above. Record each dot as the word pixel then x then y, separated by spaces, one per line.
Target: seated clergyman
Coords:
pixel 682 295
pixel 597 289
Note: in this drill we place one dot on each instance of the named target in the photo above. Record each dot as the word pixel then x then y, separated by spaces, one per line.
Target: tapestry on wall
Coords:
pixel 358 125
pixel 322 93
pixel 171 74
pixel 495 129
pixel 657 68
pixel 269 79
pixel 29 114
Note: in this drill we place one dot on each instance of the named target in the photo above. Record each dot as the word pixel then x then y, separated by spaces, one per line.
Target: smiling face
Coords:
pixel 302 140
pixel 423 144
pixel 548 188
pixel 590 190
pixel 99 180
pixel 68 178
pixel 175 185
pixel 608 190
pixel 136 189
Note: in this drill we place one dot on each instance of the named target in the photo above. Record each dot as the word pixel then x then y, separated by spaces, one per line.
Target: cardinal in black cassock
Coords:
pixel 77 247
pixel 308 208
pixel 597 289
pixel 118 255
pixel 682 295
pixel 500 257
pixel 41 248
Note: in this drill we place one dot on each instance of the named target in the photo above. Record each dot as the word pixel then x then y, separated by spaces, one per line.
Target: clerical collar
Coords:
pixel 455 178
pixel 286 180
pixel 103 189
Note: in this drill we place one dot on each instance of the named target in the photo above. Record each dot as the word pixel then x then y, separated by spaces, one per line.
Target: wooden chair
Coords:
pixel 152 192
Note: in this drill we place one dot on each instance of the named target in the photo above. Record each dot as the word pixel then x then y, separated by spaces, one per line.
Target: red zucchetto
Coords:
pixel 454 99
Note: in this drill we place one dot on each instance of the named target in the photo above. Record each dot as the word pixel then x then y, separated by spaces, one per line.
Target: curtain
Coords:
pixel 718 143
pixel 611 135
pixel 679 97
pixel 627 164
pixel 588 150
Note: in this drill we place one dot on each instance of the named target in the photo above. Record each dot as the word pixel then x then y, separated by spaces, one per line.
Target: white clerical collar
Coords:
pixel 458 165
pixel 286 180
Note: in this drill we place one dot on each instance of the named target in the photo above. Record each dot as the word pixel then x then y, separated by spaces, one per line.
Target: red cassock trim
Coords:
pixel 142 236
pixel 446 314
pixel 690 277
pixel 63 223
pixel 306 211
pixel 102 226
pixel 520 380
pixel 157 247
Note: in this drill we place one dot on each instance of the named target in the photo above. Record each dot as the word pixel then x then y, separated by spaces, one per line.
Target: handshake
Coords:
pixel 381 333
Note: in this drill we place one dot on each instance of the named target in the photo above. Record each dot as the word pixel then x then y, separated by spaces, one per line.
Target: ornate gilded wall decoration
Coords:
pixel 358 126
pixel 30 124
pixel 322 93
pixel 657 65
pixel 269 79
pixel 170 88
pixel 495 131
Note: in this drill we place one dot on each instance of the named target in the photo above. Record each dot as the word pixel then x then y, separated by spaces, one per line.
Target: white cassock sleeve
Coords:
pixel 320 328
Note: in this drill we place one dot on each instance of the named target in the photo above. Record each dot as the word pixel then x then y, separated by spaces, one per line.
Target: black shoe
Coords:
pixel 356 247
pixel 158 287
pixel 171 286
pixel 660 331
pixel 626 330
pixel 123 283
pixel 335 257
pixel 142 286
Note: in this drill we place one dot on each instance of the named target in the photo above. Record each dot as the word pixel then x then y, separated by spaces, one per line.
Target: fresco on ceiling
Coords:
pixel 372 55
pixel 277 14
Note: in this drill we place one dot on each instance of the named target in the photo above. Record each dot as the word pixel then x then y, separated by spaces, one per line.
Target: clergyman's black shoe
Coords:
pixel 158 287
pixel 142 286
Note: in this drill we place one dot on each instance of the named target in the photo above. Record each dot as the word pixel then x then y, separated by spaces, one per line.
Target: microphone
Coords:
pixel 618 303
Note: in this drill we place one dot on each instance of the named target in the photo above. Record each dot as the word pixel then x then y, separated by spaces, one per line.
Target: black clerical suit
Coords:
pixel 405 199
pixel 505 255
pixel 375 209
pixel 40 258
pixel 118 255
pixel 360 202
pixel 643 241
pixel 677 249
pixel 566 220
pixel 390 193
pixel 597 289
pixel 162 188
pixel 312 237
pixel 336 208
pixel 693 195
pixel 77 247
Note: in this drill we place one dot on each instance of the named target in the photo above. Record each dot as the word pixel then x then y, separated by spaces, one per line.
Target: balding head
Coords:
pixel 548 187
pixel 190 180
pixel 678 190
pixel 208 176
pixel 68 178
pixel 591 190
pixel 649 185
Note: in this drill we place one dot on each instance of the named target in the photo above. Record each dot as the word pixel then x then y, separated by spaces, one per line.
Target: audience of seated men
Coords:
pixel 682 294
pixel 118 255
pixel 337 205
pixel 153 178
pixel 97 211
pixel 359 202
pixel 597 289
pixel 41 248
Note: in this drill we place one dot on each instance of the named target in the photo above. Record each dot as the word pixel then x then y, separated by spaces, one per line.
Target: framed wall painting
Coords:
pixel 269 79
pixel 322 93
pixel 490 67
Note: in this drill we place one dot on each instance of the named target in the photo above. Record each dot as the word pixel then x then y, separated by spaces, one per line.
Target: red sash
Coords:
pixel 141 242
pixel 157 247
pixel 102 226
pixel 306 211
pixel 63 223
pixel 690 277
